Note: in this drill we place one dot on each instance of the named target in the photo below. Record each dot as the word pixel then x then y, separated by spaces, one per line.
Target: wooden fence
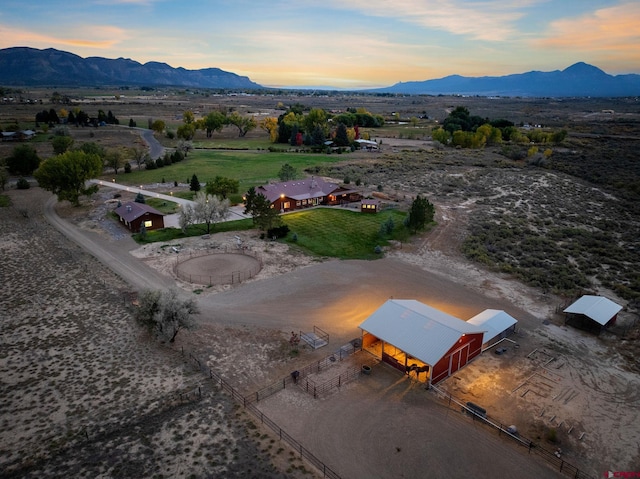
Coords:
pixel 233 277
pixel 557 462
pixel 248 402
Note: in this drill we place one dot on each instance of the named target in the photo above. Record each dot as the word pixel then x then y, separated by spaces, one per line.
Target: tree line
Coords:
pixel 463 130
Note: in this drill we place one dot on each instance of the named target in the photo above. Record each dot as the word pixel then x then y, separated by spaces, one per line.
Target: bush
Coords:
pixel 127 167
pixel 150 165
pixel 278 232
pixel 23 184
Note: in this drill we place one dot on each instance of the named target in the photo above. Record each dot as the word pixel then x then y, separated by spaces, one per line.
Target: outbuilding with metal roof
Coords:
pixel 496 323
pixel 592 313
pixel 414 338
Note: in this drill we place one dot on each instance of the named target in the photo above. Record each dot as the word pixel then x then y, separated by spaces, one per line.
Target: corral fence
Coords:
pixel 248 402
pixel 479 415
pixel 299 376
pixel 233 277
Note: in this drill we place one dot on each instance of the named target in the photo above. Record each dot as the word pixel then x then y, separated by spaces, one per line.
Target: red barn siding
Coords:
pixel 468 347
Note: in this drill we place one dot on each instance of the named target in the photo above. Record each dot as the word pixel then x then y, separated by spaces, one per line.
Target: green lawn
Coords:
pixel 163 206
pixel 342 233
pixel 250 168
pixel 333 232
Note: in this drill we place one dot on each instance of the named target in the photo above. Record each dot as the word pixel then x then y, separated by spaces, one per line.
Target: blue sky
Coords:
pixel 339 43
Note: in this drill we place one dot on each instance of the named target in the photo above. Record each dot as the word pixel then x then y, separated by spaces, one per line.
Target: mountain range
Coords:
pixel 579 80
pixel 24 66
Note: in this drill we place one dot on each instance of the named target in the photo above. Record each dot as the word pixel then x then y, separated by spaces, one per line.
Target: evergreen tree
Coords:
pixel 194 183
pixel 420 214
pixel 140 198
pixel 342 139
pixel 287 172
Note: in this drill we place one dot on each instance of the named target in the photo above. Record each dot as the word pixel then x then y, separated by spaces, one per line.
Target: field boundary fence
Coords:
pixel 249 403
pixel 478 415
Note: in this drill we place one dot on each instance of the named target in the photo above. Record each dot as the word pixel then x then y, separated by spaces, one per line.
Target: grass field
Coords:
pixel 250 168
pixel 344 234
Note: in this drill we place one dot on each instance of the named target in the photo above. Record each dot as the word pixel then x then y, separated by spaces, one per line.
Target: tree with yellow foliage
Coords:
pixel 270 125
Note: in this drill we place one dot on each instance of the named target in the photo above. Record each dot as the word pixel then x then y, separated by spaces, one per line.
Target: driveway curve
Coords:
pixel 114 255
pixel 156 150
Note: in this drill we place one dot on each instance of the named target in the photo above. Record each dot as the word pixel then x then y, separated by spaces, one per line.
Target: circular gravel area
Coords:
pixel 218 268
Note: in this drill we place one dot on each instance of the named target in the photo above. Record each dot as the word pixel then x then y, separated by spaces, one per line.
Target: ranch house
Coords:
pixel 297 194
pixel 133 215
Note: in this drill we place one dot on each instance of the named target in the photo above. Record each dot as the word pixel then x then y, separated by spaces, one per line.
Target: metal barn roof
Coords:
pixel 598 308
pixel 494 322
pixel 419 330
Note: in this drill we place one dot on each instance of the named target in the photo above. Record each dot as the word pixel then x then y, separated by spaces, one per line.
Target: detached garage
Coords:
pixel 414 338
pixel 592 313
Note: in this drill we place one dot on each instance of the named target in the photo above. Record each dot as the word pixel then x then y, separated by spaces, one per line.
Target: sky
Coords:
pixel 349 44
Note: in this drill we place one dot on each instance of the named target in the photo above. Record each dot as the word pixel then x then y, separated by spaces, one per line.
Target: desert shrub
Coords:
pixel 22 184
pixel 551 435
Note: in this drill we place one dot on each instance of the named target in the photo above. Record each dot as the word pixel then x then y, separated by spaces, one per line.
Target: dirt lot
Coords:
pixel 117 409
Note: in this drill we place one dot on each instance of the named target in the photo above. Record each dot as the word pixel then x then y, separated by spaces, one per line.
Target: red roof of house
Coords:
pixel 131 211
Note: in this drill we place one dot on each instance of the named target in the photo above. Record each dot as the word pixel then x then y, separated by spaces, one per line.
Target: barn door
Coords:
pixel 458 358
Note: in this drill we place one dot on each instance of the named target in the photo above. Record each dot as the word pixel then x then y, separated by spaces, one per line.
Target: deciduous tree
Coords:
pixel 222 187
pixel 270 125
pixel 61 144
pixel 66 175
pixel 114 159
pixel 165 313
pixel 24 160
pixel 158 126
pixel 244 124
pixel 209 209
pixel 214 121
